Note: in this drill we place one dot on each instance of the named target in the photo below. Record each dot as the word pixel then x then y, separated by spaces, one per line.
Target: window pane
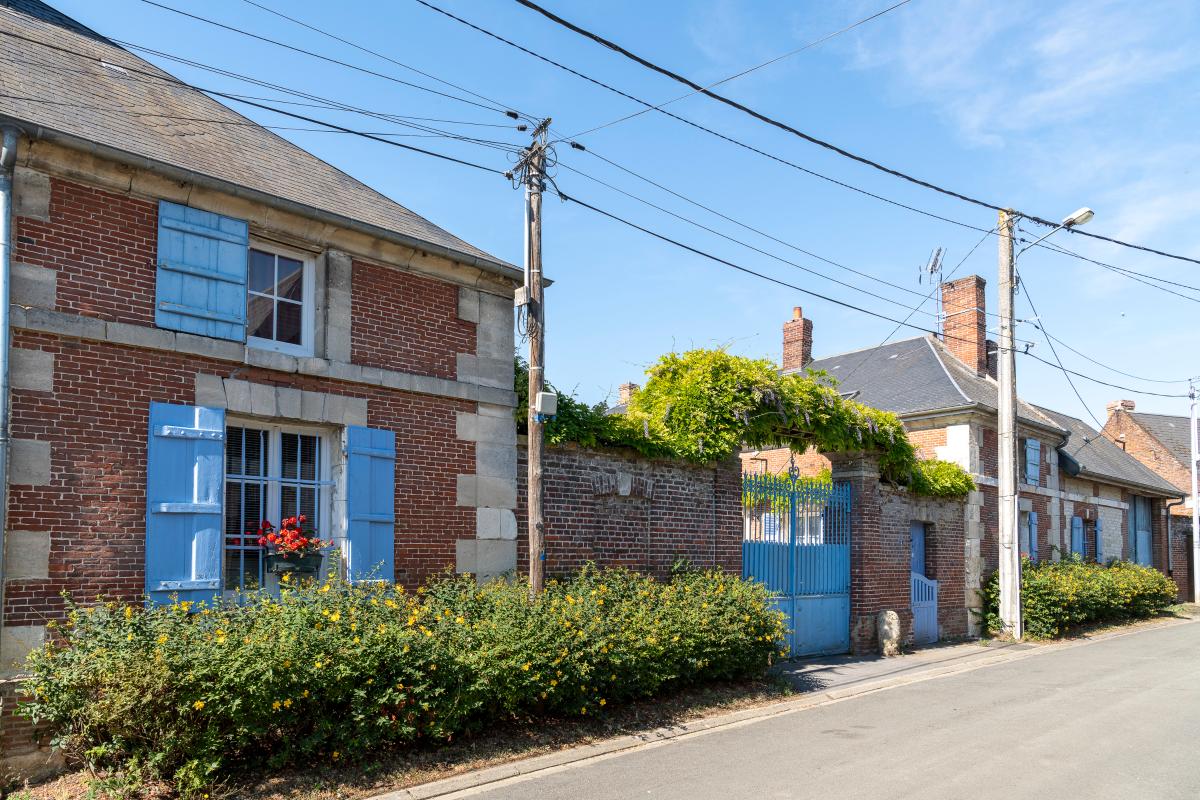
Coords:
pixel 290 283
pixel 289 322
pixel 260 317
pixel 309 454
pixel 288 505
pixel 308 504
pixel 256 452
pixel 233 450
pixel 262 272
pixel 289 448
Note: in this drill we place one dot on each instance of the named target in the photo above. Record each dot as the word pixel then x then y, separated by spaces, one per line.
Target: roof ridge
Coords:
pixel 938 356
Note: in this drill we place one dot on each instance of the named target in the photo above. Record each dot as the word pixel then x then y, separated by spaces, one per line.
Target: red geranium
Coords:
pixel 293 537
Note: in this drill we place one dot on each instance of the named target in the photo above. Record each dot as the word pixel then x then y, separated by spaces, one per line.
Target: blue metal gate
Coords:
pixel 796 541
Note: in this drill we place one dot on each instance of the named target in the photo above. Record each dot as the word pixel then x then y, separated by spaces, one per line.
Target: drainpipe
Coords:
pixel 8 156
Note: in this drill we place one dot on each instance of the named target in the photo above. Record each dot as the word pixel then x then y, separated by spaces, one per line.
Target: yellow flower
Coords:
pixel 603 702
pixel 600 602
pixel 356 640
pixel 128 612
pixel 336 616
pixel 459 620
pixel 287 703
pixel 198 705
pixel 525 666
pixel 319 664
pixel 286 662
pixel 163 639
pixel 275 706
pixel 553 682
pixel 336 755
pixel 433 667
pixel 583 710
pixel 304 693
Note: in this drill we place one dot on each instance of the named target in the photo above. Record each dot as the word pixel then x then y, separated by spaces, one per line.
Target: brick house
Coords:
pixel 1078 491
pixel 1160 442
pixel 210 326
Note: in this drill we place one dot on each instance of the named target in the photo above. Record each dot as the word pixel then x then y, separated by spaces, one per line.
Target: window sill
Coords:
pixel 277 347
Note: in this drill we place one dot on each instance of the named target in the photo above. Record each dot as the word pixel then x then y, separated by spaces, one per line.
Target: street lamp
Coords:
pixel 1006 407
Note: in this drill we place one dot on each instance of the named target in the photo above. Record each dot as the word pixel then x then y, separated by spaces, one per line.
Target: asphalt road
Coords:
pixel 1116 718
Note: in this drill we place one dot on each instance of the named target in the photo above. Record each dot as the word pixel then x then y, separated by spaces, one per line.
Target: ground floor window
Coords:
pixel 271 472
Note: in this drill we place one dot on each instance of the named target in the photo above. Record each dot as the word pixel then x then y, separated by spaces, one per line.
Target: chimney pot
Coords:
pixel 1120 405
pixel 797 341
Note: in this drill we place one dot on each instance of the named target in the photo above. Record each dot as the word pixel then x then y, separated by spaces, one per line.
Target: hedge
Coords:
pixel 332 672
pixel 1057 596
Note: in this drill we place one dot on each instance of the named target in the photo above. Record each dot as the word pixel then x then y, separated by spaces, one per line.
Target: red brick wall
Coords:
pixel 406 322
pixel 965 329
pixel 926 441
pixel 94 506
pixel 103 246
pixel 777 461
pixel 797 341
pixel 673 510
pixel 1151 452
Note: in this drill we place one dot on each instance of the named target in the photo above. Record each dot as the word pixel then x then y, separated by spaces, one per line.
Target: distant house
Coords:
pixel 212 327
pixel 1160 443
pixel 1078 491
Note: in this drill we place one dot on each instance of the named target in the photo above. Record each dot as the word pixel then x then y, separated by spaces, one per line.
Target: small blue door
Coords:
pixel 917 530
pixel 924 591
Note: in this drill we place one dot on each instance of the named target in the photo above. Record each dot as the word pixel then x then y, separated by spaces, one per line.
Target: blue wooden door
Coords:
pixel 923 591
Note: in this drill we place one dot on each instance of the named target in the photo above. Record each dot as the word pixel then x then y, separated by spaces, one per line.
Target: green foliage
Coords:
pixel 579 423
pixel 334 672
pixel 1057 596
pixel 705 405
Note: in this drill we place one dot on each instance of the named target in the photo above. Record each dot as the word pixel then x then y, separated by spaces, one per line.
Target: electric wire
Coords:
pixel 329 59
pixel 388 58
pixel 932 292
pixel 698 126
pixel 744 72
pixel 725 262
pixel 255 104
pixel 817 141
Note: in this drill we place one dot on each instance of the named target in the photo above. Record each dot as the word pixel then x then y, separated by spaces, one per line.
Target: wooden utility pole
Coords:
pixel 534 175
pixel 1010 554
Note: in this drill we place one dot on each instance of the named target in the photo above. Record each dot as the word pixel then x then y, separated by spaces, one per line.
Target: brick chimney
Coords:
pixel 964 328
pixel 625 392
pixel 797 341
pixel 1120 405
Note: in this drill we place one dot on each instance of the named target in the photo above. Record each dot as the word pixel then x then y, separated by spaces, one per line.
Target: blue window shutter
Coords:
pixel 1077 535
pixel 370 504
pixel 185 477
pixel 1099 541
pixel 201 283
pixel 1033 462
pixel 1033 531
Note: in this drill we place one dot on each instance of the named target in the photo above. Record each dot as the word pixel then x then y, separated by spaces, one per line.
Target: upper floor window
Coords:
pixel 279 301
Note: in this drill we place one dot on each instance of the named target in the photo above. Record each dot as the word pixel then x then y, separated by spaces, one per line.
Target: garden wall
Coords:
pixel 618 508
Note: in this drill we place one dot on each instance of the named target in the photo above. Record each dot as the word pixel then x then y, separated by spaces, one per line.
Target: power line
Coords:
pixel 827 298
pixel 387 58
pixel 742 243
pixel 698 126
pixel 1098 381
pixel 896 330
pixel 1139 277
pixel 1086 357
pixel 817 141
pixel 328 59
pixel 744 72
pixel 1053 351
pixel 170 79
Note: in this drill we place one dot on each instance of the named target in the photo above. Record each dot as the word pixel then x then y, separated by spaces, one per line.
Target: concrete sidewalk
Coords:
pixel 821 681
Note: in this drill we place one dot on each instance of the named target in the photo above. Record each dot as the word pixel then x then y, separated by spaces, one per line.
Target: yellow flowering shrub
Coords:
pixel 186 693
pixel 1057 596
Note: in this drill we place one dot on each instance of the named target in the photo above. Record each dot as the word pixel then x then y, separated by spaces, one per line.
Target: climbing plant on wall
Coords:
pixel 705 405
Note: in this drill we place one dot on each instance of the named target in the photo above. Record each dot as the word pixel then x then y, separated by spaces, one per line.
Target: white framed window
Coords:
pixel 271 472
pixel 280 296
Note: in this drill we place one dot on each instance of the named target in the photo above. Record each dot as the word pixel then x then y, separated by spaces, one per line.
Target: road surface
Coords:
pixel 1115 718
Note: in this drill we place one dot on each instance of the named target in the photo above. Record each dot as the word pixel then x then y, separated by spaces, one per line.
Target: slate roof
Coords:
pixel 1171 430
pixel 917 375
pixel 106 96
pixel 1099 457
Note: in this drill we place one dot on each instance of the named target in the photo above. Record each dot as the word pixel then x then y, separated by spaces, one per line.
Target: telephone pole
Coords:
pixel 533 172
pixel 1195 498
pixel 1010 556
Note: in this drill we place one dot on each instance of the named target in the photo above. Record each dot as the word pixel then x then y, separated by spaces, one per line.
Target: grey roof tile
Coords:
pixel 122 107
pixel 1099 457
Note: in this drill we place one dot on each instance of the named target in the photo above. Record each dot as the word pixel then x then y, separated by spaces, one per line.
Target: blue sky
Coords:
pixel 1042 106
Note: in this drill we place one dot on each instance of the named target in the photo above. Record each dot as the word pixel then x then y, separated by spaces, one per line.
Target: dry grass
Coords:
pixel 517 739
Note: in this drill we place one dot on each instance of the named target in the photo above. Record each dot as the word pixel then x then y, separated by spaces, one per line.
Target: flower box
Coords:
pixel 306 564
